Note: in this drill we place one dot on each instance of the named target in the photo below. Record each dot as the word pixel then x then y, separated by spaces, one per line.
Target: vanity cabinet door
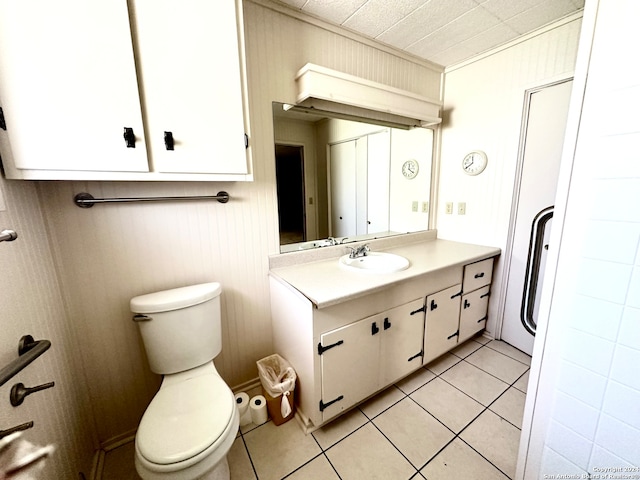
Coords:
pixel 349 362
pixel 473 312
pixel 441 325
pixel 401 342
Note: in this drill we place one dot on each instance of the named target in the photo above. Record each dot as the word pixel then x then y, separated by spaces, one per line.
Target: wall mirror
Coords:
pixel 347 179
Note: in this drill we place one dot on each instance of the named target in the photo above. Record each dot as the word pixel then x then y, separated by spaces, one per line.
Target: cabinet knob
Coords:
pixel 168 140
pixel 129 137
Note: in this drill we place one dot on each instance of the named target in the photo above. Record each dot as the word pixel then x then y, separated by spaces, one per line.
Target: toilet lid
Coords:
pixel 184 419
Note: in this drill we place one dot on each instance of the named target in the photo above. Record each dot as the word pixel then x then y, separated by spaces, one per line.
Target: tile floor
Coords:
pixel 458 417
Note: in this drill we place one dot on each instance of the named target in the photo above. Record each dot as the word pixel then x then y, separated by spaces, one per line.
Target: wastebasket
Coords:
pixel 278 379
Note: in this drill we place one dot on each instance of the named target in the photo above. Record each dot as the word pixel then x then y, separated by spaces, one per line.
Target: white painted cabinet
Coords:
pixel 349 348
pixel 140 90
pixel 441 322
pixel 365 356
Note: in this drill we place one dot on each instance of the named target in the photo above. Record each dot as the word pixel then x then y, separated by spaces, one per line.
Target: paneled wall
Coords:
pixel 483 111
pixel 109 253
pixel 31 303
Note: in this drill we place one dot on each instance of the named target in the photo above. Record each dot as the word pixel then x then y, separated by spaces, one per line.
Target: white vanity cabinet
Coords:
pixel 367 355
pixel 138 90
pixel 475 298
pixel 349 335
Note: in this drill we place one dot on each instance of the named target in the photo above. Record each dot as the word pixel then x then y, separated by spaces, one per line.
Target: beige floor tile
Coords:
pixel 381 401
pixel 415 380
pixel 239 463
pixel 458 461
pixel 443 363
pixel 278 450
pixel 482 339
pixel 497 364
pixel 447 404
pixel 474 382
pixel 339 428
pixel 513 352
pixel 367 454
pixel 413 431
pixel 522 382
pixel 495 439
pixel 317 469
pixel 467 348
pixel 510 406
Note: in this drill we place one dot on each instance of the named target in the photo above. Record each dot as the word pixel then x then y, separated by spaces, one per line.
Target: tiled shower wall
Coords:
pixel 590 365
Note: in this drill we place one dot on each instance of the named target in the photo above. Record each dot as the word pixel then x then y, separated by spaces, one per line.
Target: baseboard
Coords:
pixel 98 465
pixel 247 386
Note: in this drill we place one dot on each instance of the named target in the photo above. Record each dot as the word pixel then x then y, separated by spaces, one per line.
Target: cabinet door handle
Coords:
pixel 485 295
pixel 325 405
pixel 129 137
pixel 434 305
pixel 466 303
pixel 168 140
pixel 387 324
pixel 419 354
pixel 421 309
pixel 479 275
pixel 482 319
pixel 374 328
pixel 322 349
pixel 453 335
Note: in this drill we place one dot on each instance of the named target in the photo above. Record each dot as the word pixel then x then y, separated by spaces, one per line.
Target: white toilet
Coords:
pixel 192 421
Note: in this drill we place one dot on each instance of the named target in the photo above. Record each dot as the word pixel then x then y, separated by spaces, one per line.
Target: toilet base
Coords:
pixel 220 471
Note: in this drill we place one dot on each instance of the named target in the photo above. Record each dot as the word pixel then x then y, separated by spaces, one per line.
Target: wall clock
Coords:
pixel 474 163
pixel 410 169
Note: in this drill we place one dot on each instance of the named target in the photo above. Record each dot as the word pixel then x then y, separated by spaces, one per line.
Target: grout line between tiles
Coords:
pixel 418 469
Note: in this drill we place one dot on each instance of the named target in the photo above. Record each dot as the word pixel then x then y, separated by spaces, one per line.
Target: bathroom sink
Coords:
pixel 375 262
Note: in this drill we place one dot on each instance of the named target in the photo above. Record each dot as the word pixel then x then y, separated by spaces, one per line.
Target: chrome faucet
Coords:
pixel 360 251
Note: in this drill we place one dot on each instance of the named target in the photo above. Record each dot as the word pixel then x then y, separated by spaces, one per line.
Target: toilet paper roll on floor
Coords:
pixel 242 402
pixel 258 409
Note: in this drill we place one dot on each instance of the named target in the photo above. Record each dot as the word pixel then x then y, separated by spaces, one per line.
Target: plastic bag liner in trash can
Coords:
pixel 278 379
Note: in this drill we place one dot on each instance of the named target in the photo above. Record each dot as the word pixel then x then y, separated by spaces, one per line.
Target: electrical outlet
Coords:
pixel 425 207
pixel 414 206
pixel 462 208
pixel 448 208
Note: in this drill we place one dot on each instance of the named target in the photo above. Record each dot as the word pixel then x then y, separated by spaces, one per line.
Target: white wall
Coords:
pixel 585 410
pixel 107 254
pixel 31 303
pixel 483 102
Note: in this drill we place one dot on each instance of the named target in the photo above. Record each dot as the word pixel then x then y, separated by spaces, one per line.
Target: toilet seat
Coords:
pixel 186 417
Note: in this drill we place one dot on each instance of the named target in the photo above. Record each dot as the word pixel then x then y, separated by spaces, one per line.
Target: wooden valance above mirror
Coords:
pixel 328 90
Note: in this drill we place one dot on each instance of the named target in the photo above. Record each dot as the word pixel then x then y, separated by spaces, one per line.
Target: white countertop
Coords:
pixel 326 283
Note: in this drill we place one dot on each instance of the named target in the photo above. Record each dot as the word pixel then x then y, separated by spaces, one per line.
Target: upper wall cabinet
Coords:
pixel 139 90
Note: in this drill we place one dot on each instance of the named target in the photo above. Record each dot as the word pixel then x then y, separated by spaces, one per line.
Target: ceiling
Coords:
pixel 445 32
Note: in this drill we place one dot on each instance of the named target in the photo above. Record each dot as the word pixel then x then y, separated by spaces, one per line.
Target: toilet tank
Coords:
pixel 181 327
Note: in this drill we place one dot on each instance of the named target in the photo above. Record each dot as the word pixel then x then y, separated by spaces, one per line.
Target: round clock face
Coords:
pixel 474 163
pixel 410 169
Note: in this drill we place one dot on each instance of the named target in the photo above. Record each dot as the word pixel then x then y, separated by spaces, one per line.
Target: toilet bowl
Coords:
pixel 192 421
